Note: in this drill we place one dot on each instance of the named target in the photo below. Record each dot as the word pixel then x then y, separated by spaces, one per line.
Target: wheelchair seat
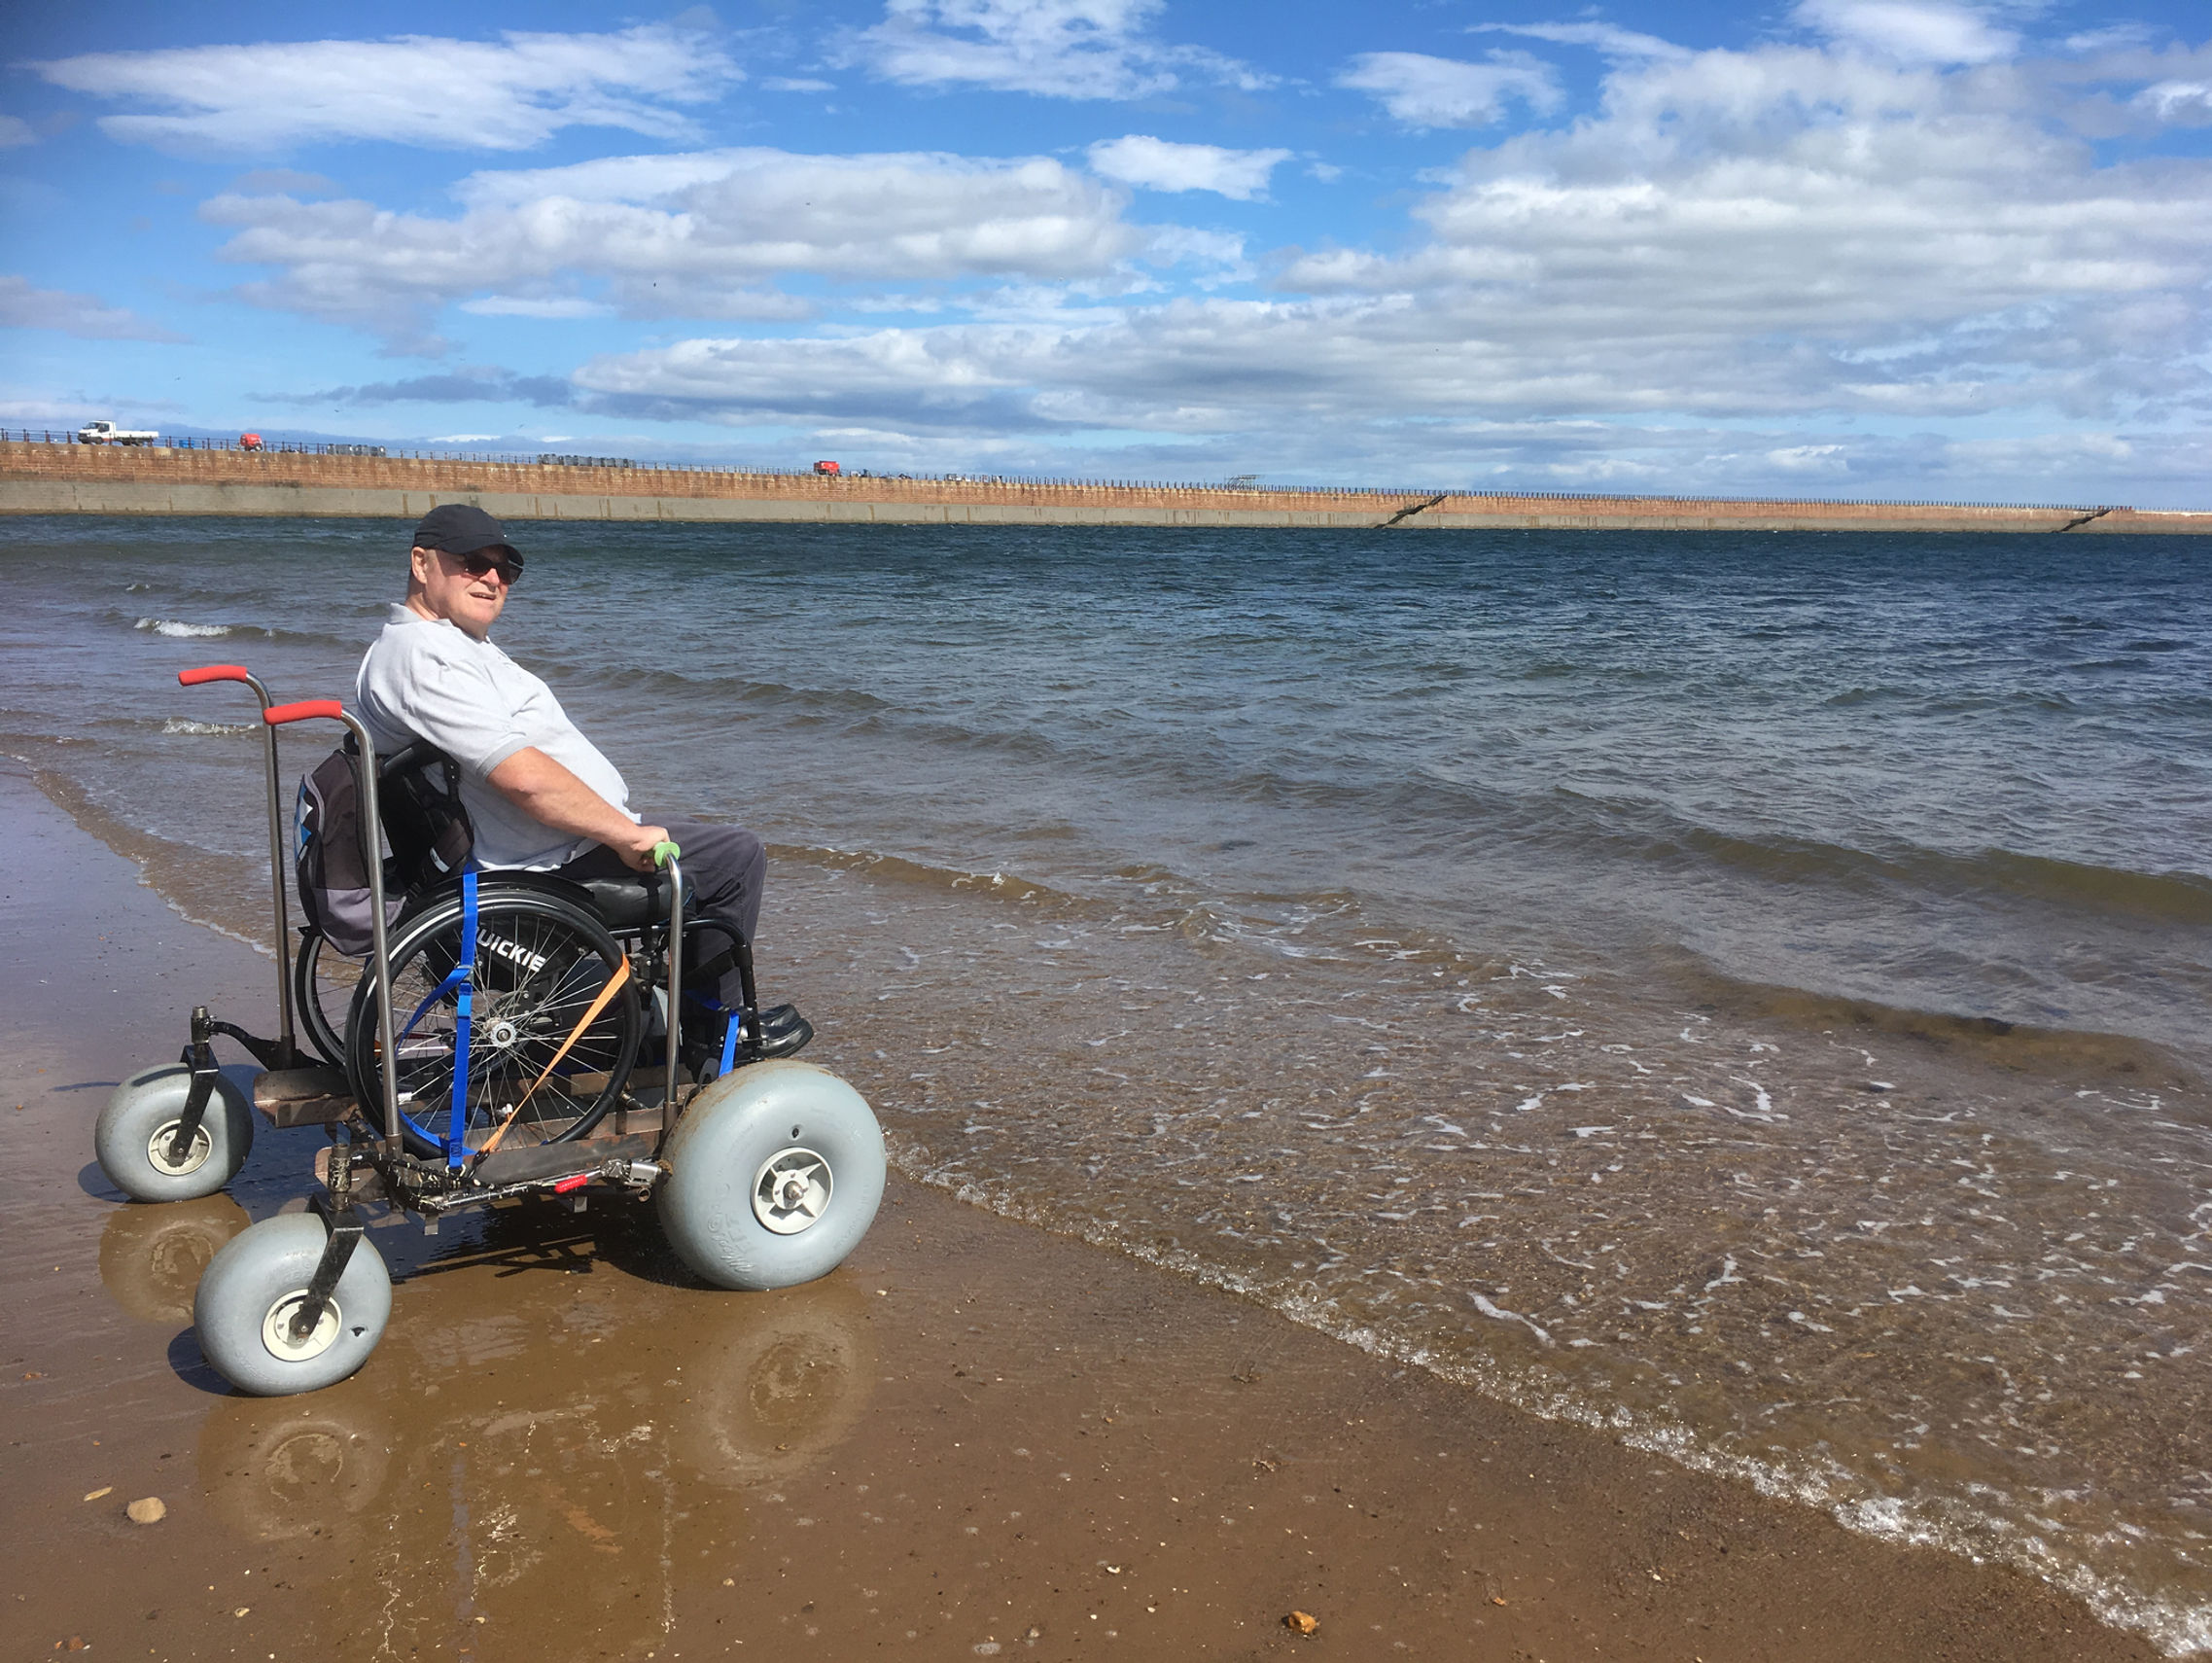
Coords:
pixel 629 901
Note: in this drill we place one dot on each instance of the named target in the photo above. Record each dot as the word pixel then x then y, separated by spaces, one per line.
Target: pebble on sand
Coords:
pixel 1302 1621
pixel 103 1490
pixel 148 1510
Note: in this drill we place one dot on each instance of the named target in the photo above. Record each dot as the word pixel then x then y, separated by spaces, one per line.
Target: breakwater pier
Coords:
pixel 41 478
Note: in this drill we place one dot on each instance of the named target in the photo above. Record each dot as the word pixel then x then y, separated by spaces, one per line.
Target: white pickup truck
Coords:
pixel 107 432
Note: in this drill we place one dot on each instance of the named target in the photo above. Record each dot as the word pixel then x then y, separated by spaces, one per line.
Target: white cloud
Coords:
pixel 2178 100
pixel 2109 39
pixel 1791 230
pixel 1786 237
pixel 84 316
pixel 1216 257
pixel 1158 164
pixel 690 235
pixel 1913 31
pixel 13 131
pixel 417 89
pixel 795 83
pixel 1058 49
pixel 1606 38
pixel 1424 91
pixel 1833 459
pixel 515 307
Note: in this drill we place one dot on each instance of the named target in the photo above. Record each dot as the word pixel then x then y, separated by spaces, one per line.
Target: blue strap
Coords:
pixel 457 1136
pixel 729 1040
pixel 462 977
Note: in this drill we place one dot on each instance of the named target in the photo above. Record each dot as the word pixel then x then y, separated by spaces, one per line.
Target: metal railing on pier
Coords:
pixel 1025 482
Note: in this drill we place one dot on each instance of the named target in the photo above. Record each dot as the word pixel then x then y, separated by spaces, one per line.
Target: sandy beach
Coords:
pixel 976 1438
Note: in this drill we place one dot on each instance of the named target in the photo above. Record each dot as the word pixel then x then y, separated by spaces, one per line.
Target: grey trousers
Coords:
pixel 726 867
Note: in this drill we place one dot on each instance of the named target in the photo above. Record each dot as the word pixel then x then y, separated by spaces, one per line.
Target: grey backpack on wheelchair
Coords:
pixel 426 828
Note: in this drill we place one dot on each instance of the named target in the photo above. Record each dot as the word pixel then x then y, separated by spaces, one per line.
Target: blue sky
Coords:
pixel 1836 248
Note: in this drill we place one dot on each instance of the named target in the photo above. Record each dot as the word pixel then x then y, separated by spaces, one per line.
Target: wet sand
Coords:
pixel 976 1438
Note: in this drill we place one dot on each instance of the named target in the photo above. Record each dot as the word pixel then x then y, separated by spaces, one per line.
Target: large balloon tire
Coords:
pixel 774 1123
pixel 152 1257
pixel 152 1100
pixel 257 1278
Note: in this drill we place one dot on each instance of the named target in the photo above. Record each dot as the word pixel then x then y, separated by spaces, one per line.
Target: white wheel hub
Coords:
pixel 195 1157
pixel 792 1190
pixel 276 1329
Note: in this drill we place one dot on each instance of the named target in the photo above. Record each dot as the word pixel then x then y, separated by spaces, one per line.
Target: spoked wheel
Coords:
pixel 255 1286
pixel 552 1038
pixel 775 1172
pixel 136 1136
pixel 322 980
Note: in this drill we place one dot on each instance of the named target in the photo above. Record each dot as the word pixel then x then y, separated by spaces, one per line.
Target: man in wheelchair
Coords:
pixel 541 796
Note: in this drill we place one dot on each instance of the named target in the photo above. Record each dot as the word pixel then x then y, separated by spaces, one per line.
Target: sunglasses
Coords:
pixel 478 563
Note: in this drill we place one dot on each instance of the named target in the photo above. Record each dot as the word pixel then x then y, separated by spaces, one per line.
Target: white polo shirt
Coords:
pixel 426 678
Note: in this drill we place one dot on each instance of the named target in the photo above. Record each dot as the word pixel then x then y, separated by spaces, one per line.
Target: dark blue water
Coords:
pixel 1746 989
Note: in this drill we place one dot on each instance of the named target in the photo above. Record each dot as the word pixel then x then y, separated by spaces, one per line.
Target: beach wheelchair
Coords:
pixel 512 1035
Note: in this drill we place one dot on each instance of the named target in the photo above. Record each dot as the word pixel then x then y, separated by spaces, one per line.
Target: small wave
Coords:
pixel 719 687
pixel 898 868
pixel 182 631
pixel 2172 897
pixel 2024 1048
pixel 208 729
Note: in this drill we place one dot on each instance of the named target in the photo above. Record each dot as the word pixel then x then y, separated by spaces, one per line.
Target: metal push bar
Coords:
pixel 372 855
pixel 664 857
pixel 287 1042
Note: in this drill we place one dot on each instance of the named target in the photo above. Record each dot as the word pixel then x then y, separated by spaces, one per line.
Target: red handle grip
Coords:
pixel 212 673
pixel 277 715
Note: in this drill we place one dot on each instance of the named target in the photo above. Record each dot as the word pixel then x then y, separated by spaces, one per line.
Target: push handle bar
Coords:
pixel 371 819
pixel 286 1046
pixel 665 855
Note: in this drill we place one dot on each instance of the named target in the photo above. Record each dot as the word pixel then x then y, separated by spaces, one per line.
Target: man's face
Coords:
pixel 448 590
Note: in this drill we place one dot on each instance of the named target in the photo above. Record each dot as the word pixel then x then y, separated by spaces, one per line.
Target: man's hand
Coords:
pixel 637 848
pixel 553 795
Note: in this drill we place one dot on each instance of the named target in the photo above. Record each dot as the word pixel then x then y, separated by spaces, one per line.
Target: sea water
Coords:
pixel 1745 991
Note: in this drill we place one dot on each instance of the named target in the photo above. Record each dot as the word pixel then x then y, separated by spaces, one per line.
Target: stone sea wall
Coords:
pixel 73 478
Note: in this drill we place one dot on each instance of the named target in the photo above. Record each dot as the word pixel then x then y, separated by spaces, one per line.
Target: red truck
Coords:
pixel 830 468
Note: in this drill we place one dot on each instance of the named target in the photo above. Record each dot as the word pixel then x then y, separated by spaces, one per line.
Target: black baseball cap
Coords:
pixel 459 528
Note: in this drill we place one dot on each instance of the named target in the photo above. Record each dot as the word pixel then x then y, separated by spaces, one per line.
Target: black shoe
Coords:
pixel 782 1031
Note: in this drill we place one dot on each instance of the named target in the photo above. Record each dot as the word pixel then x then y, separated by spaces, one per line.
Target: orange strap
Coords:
pixel 614 986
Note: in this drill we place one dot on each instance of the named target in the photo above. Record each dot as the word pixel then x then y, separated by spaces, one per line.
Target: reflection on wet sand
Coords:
pixel 152 1253
pixel 555 1439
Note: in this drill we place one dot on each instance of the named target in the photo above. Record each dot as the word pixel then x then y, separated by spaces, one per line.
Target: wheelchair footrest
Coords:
pixel 303 1096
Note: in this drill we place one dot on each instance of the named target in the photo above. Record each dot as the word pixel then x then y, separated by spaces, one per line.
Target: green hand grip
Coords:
pixel 664 851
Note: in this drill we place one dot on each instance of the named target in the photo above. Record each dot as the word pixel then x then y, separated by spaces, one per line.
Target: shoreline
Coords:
pixel 39 478
pixel 976 1434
